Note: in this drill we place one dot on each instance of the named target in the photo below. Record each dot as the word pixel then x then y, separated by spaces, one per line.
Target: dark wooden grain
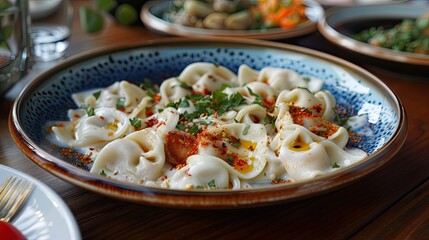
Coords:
pixel 392 202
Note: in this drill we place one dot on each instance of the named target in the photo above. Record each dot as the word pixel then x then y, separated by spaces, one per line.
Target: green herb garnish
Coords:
pixel 211 184
pixel 120 103
pixel 258 99
pixel 136 122
pixel 246 129
pixel 88 109
pixel 96 94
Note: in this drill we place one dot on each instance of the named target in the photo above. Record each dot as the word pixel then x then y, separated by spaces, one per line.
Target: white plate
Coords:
pixel 329 3
pixel 152 11
pixel 44 215
pixel 340 24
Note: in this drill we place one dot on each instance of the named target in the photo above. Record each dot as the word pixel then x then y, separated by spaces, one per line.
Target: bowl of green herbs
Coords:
pixel 396 33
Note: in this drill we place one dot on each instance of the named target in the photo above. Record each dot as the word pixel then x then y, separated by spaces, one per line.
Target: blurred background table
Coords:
pixel 391 203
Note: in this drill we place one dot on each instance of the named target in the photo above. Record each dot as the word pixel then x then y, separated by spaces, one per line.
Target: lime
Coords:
pixel 126 14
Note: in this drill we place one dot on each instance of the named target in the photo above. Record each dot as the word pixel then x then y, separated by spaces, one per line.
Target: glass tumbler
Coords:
pixel 51 22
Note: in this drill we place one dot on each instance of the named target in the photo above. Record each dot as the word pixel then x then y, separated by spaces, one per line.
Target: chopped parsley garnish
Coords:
pixel 96 94
pixel 230 160
pixel 193 129
pixel 205 106
pixel 335 165
pixel 212 184
pixel 258 99
pixel 269 120
pixel 184 85
pixel 183 103
pixel 338 119
pixel 233 141
pixel 120 103
pixel 150 87
pixel 246 129
pixel 103 173
pixel 88 109
pixel 136 122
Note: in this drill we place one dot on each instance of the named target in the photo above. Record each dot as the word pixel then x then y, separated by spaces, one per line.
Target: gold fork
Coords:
pixel 12 196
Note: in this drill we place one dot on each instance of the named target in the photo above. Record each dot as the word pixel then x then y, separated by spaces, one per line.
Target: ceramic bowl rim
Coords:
pixel 203 199
pixel 334 36
pixel 159 25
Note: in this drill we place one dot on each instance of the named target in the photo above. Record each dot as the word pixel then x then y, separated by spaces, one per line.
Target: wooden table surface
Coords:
pixel 390 203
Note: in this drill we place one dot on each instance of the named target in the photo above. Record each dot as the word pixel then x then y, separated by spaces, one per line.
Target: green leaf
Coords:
pixel 258 99
pixel 96 94
pixel 193 129
pixel 120 103
pixel 88 109
pixel 246 129
pixel 126 14
pixel 183 103
pixel 103 173
pixel 212 184
pixel 105 5
pixel 136 122
pixel 91 20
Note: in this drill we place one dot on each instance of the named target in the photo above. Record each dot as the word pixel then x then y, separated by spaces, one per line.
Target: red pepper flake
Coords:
pixel 318 108
pixel 102 117
pixel 152 122
pixel 76 115
pixel 280 181
pixel 241 162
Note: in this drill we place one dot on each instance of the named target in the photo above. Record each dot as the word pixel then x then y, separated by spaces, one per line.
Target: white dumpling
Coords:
pixel 201 172
pixel 303 157
pixel 321 104
pixel 206 77
pixel 286 79
pixel 172 91
pixel 137 158
pixel 243 146
pixel 247 75
pixel 306 156
pixel 105 125
pixel 251 114
pixel 164 121
pixel 140 111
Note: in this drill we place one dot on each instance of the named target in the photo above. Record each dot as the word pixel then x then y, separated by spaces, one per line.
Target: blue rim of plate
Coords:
pixel 151 11
pixel 335 17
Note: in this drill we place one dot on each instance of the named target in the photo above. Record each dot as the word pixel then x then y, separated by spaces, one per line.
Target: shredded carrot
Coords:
pixel 282 13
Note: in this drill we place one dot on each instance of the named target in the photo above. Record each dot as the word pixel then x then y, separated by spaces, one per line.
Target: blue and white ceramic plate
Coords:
pixel 48 98
pixel 340 24
pixel 151 16
pixel 44 215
